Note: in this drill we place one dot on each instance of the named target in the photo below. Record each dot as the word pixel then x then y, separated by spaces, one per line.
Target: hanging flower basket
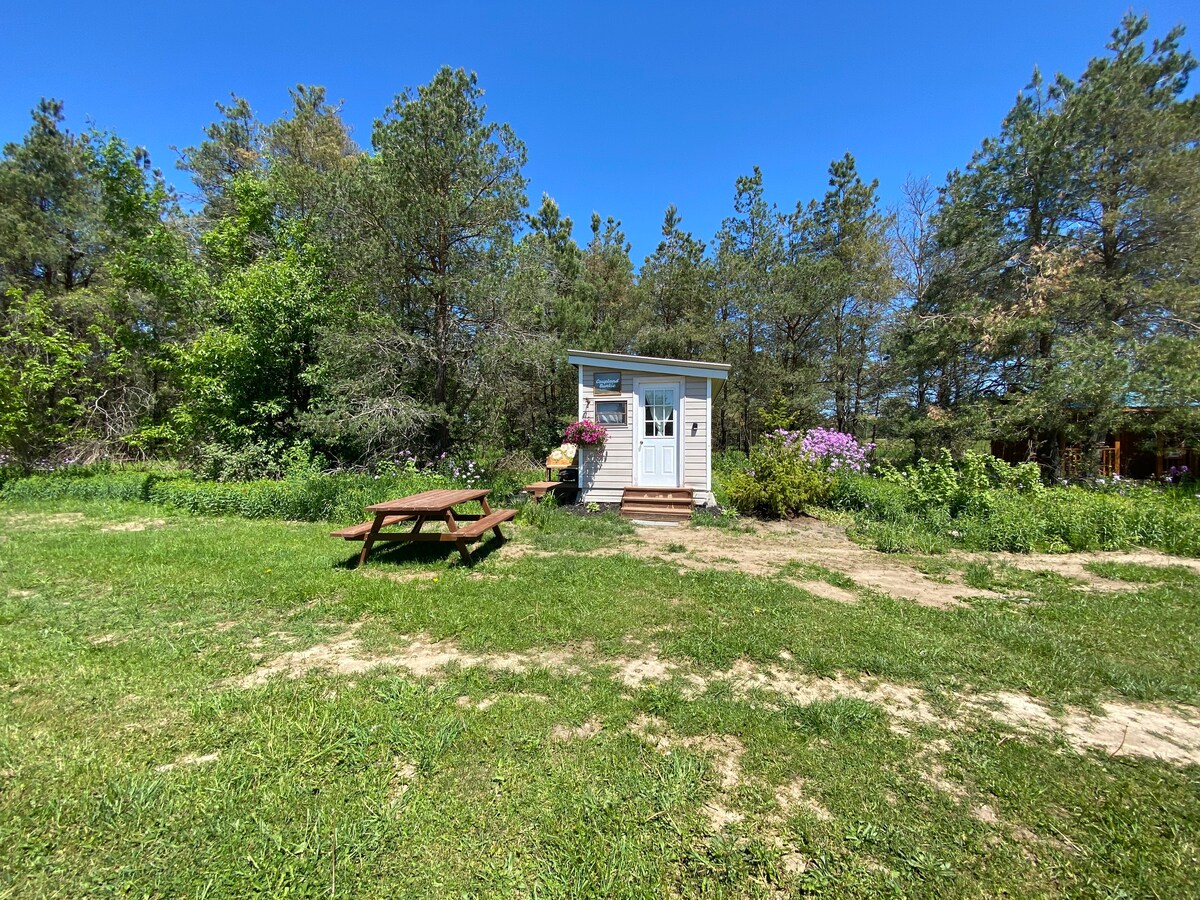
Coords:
pixel 586 433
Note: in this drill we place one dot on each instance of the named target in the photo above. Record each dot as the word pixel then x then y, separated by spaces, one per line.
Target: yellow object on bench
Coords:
pixel 560 458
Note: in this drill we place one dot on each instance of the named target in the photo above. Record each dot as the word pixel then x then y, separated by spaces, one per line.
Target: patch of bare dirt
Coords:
pixel 404 576
pixel 900 701
pixel 21 593
pixel 724 752
pixel 768 547
pixel 1159 732
pixel 482 704
pixel 640 670
pixel 189 759
pixel 719 817
pixel 564 733
pixel 40 520
pixel 795 863
pixel 796 795
pixel 135 525
pixel 403 774
pixel 985 814
pixel 420 657
pixel 1169 734
pixel 1073 565
pixel 106 640
pixel 826 591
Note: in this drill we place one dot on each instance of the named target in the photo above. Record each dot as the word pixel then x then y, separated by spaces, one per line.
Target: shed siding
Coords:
pixel 695 443
pixel 604 476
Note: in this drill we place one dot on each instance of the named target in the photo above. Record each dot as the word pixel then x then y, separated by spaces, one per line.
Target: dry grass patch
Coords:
pixel 795 795
pixel 43 520
pixel 724 753
pixel 1171 734
pixel 766 548
pixel 563 733
pixel 1074 565
pixel 1159 732
pixel 135 525
pixel 189 759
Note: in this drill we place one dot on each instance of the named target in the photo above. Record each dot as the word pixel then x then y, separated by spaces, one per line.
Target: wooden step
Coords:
pixel 657 504
pixel 657 493
pixel 656 516
pixel 665 515
pixel 681 502
pixel 684 509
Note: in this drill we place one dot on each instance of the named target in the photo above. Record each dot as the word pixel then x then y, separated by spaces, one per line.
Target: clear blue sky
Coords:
pixel 625 108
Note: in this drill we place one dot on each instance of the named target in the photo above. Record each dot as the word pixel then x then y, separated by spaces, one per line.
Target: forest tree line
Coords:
pixel 407 296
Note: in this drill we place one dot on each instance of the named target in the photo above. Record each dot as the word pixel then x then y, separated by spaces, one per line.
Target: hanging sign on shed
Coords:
pixel 606 383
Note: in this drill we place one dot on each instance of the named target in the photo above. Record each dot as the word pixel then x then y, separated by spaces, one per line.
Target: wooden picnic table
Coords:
pixel 462 529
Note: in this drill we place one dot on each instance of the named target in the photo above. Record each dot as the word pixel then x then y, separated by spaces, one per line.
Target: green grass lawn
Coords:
pixel 577 736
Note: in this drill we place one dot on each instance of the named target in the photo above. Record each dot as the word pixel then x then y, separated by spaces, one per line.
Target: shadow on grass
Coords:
pixel 421 553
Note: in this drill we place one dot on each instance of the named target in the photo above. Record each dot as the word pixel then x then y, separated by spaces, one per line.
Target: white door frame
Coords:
pixel 640 425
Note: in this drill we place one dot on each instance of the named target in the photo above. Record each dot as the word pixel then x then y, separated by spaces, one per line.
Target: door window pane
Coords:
pixel 660 413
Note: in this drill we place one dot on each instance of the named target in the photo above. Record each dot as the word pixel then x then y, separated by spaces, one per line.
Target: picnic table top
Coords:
pixel 428 502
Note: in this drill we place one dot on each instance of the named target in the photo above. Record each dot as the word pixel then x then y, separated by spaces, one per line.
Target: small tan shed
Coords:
pixel 658 413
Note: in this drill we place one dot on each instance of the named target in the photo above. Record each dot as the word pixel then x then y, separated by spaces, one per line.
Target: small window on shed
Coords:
pixel 612 412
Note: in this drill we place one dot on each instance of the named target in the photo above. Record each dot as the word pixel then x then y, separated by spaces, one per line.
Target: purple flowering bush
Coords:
pixel 789 471
pixel 438 471
pixel 585 433
pixel 834 451
pixel 1176 475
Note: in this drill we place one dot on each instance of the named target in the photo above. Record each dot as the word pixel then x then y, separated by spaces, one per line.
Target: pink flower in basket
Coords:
pixel 585 433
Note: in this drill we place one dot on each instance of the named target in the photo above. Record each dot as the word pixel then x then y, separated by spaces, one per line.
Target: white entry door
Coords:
pixel 658 442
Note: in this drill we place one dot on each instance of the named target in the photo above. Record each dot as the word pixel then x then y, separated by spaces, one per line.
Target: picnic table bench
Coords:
pixel 463 529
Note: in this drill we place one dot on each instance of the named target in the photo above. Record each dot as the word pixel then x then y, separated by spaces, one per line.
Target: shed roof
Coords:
pixel 715 370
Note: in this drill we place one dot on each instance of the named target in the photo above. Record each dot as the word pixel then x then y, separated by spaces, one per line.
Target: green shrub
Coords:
pixel 1011 523
pixel 539 514
pixel 778 481
pixel 965 483
pixel 902 537
pixel 114 486
pixel 337 498
pixel 255 460
pixel 989 505
pixel 875 498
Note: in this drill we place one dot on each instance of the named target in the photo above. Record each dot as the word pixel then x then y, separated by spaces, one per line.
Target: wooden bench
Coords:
pixel 359 532
pixel 462 529
pixel 476 529
pixel 540 489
